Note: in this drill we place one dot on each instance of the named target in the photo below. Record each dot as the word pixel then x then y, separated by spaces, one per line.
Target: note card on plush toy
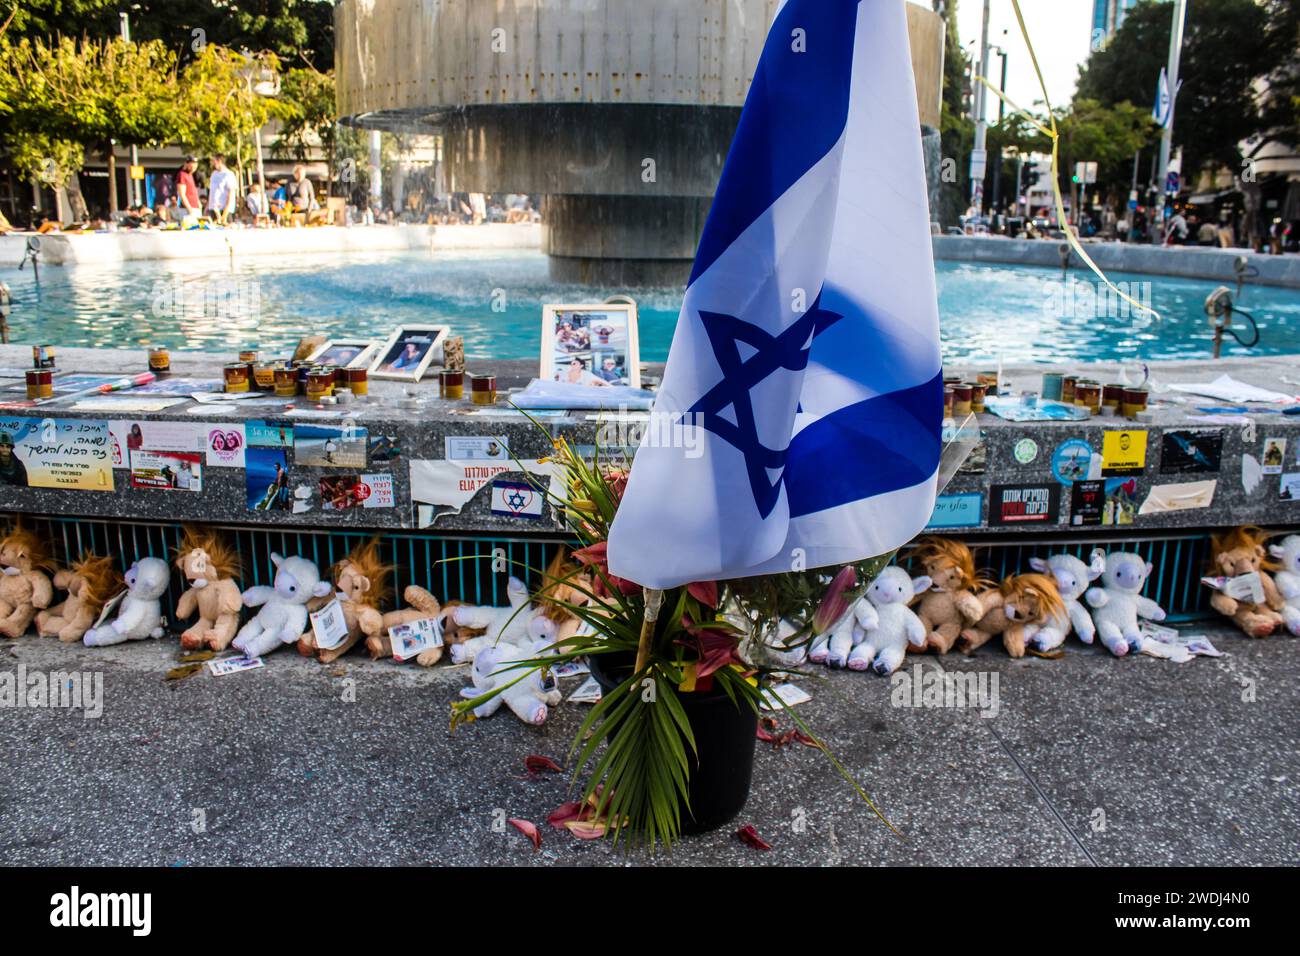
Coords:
pixel 329 625
pixel 415 637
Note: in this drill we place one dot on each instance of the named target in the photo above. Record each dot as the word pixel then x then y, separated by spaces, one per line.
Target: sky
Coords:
pixel 1060 31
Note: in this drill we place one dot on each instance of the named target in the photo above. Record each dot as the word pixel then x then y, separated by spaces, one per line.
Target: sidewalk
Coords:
pixel 1090 760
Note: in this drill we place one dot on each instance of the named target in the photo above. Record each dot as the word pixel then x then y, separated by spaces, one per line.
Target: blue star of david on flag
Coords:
pixel 787 350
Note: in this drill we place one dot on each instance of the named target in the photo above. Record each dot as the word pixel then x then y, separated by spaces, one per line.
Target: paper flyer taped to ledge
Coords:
pixel 439 484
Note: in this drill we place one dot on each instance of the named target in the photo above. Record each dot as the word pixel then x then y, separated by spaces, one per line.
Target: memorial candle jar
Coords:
pixel 320 383
pixel 947 401
pixel 1112 397
pixel 977 393
pixel 1088 395
pixel 238 376
pixel 286 381
pixel 451 384
pixel 1052 386
pixel 160 361
pixel 1135 400
pixel 1068 383
pixel 249 356
pixel 40 383
pixel 264 377
pixel 990 382
pixel 358 380
pixel 483 389
pixel 961 399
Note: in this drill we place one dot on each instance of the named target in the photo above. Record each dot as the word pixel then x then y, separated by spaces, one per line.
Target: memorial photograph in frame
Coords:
pixel 345 353
pixel 592 345
pixel 408 352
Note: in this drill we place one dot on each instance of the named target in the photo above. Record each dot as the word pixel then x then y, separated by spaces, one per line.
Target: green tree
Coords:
pixel 956 130
pixel 310 94
pixel 1228 45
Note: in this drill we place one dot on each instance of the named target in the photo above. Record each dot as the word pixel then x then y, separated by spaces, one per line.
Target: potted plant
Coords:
pixel 683 673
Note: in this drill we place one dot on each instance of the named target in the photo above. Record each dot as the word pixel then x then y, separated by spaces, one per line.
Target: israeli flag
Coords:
pixel 804 381
pixel 1164 103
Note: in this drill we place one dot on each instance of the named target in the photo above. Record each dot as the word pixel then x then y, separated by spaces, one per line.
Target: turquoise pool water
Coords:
pixel 1021 314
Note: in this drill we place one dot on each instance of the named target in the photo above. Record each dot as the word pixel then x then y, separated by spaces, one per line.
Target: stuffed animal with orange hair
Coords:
pixel 210 566
pixel 420 606
pixel 1238 552
pixel 951 605
pixel 24 586
pixel 90 582
pixel 360 586
pixel 1017 610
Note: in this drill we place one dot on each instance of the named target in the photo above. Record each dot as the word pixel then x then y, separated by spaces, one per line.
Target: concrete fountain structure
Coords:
pixel 618 112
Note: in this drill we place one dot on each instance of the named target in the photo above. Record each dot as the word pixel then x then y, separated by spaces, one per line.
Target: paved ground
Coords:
pixel 1089 760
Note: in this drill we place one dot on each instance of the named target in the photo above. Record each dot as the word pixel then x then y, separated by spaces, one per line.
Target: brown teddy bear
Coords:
pixel 421 606
pixel 1237 552
pixel 361 586
pixel 210 566
pixel 90 582
pixel 951 604
pixel 1018 610
pixel 24 587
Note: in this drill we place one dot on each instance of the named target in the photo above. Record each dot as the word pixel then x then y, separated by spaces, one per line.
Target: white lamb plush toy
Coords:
pixel 1118 603
pixel 1072 580
pixel 884 644
pixel 528 698
pixel 1288 580
pixel 283 615
pixel 833 647
pixel 140 614
pixel 504 625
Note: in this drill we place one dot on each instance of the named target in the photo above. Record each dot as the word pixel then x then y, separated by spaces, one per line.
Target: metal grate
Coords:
pixel 474 569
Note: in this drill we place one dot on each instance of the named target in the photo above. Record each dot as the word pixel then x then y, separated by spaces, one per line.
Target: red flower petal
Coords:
pixel 706 592
pixel 806 740
pixel 564 813
pixel 585 830
pixel 535 764
pixel 749 836
pixel 593 554
pixel 529 830
pixel 764 735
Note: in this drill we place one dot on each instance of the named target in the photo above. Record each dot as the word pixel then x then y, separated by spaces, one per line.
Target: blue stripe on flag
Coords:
pixel 875 446
pixel 795 112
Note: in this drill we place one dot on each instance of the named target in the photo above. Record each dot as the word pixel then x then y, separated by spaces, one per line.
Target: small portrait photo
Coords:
pixel 590 344
pixel 344 353
pixel 408 352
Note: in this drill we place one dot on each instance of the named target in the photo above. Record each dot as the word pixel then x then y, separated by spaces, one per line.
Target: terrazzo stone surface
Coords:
pixel 299 763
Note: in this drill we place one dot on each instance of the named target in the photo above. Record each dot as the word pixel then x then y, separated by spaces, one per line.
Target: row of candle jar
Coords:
pixel 1113 399
pixel 482 388
pixel 291 379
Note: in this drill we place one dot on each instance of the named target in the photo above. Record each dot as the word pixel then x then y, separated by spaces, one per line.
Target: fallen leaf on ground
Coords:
pixel 1049 655
pixel 535 764
pixel 196 656
pixel 527 829
pixel 749 836
pixel 182 672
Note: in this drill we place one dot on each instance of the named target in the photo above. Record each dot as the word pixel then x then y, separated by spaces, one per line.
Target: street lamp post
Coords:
pixel 134 185
pixel 1167 136
pixel 979 153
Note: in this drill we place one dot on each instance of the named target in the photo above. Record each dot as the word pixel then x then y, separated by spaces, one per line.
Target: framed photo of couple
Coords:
pixel 592 345
pixel 408 352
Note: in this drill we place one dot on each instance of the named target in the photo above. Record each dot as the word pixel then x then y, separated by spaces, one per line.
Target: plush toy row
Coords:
pixel 492 638
pixel 1101 598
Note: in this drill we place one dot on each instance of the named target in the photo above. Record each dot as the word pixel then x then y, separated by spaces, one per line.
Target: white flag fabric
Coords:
pixel 1164 102
pixel 805 368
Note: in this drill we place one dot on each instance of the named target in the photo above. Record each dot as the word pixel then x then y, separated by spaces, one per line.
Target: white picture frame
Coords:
pixel 589 343
pixel 362 359
pixel 428 340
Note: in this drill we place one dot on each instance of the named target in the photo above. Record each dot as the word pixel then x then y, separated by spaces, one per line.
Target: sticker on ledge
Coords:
pixel 476 448
pixel 1024 504
pixel 956 511
pixel 1087 500
pixel 266 479
pixel 341 492
pixel 1191 452
pixel 1123 454
pixel 1121 501
pixel 518 499
pixel 1026 450
pixel 168 470
pixel 70 453
pixel 1072 461
pixel 1274 455
pixel 1290 490
pixel 1184 496
pixel 321 446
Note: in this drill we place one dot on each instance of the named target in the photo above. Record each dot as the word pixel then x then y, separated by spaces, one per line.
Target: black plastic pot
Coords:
pixel 723 763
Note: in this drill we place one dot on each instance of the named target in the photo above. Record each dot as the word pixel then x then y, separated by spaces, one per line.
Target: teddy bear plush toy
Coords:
pixel 360 585
pixel 1235 553
pixel 210 566
pixel 24 586
pixel 1287 556
pixel 140 614
pixel 882 643
pixel 1117 603
pixel 90 582
pixel 283 614
pixel 951 604
pixel 496 666
pixel 1019 611
pixel 834 646
pixel 1072 578
pixel 420 606
pixel 498 625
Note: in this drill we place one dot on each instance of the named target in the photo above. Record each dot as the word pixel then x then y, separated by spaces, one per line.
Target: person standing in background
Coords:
pixel 187 190
pixel 222 188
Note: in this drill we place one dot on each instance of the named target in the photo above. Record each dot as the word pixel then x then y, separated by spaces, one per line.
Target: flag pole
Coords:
pixel 653 599
pixel 1167 135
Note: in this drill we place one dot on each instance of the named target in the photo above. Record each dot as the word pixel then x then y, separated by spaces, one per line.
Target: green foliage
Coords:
pixel 222 106
pixel 957 131
pixel 310 95
pixel 1228 45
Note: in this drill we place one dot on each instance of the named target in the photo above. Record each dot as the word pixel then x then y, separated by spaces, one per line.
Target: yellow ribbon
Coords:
pixel 1051 133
